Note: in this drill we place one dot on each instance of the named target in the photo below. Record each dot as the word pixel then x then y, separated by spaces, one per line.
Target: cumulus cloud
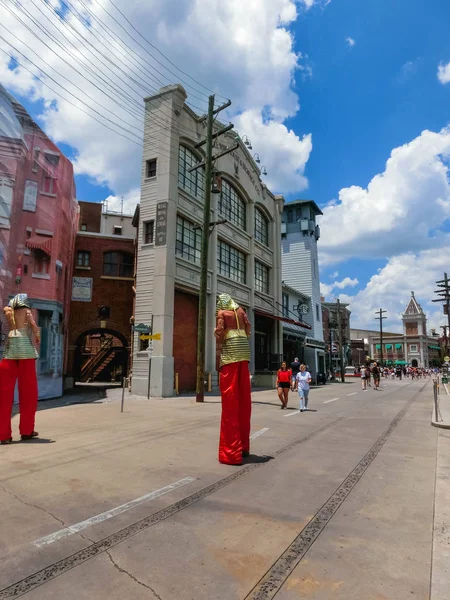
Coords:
pixel 350 41
pixel 327 289
pixel 242 50
pixel 391 288
pixel 444 73
pixel 402 209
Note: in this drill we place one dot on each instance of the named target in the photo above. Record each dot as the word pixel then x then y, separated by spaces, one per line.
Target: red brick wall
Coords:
pixel 115 293
pixel 91 216
pixel 185 340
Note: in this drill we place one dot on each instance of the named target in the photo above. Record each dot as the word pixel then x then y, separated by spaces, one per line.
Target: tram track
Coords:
pixel 273 580
pixel 37 579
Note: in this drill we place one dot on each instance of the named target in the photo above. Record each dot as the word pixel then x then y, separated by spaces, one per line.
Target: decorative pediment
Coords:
pixel 413 307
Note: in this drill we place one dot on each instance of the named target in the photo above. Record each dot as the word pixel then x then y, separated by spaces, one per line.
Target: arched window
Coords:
pixel 231 205
pixel 193 182
pixel 261 227
pixel 118 264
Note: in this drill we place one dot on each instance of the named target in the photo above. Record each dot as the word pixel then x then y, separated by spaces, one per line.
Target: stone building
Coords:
pixel 244 257
pixel 101 296
pixel 299 237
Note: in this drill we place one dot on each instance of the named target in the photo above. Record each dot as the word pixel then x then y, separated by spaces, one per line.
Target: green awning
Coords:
pixel 434 347
pixel 398 346
pixel 400 362
pixel 378 346
pixel 388 346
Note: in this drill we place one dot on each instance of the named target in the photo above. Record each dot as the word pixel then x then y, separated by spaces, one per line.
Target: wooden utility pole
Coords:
pixel 341 353
pixel 444 296
pixel 208 163
pixel 380 318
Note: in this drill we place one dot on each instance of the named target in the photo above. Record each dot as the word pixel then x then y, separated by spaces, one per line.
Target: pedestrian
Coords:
pixel 19 363
pixel 376 377
pixel 232 333
pixel 295 368
pixel 364 378
pixel 283 384
pixel 302 382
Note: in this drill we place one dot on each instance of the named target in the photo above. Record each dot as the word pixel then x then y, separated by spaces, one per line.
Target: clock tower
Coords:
pixel 415 333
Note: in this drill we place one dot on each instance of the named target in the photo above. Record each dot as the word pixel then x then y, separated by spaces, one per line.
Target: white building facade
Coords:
pixel 300 266
pixel 244 252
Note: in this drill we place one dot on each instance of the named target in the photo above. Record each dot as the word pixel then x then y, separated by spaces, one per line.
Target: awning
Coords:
pixel 400 362
pixel 434 347
pixel 378 346
pixel 388 346
pixel 39 242
pixel 398 346
pixel 284 319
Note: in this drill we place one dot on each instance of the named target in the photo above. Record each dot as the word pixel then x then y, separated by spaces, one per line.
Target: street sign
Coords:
pixel 141 328
pixel 147 336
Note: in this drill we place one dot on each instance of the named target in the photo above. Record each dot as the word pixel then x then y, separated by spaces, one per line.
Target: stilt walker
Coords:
pixel 19 363
pixel 232 332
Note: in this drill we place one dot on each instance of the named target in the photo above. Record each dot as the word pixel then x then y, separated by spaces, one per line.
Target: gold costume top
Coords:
pixel 233 331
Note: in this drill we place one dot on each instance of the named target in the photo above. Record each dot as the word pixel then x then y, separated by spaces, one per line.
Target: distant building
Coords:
pixel 38 216
pixel 102 296
pixel 244 257
pixel 332 335
pixel 299 237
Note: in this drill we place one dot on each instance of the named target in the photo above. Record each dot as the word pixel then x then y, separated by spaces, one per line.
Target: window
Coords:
pixel 41 262
pixel 118 264
pixel 193 182
pixel 286 305
pixel 290 216
pixel 52 159
pixel 189 240
pixel 83 258
pixel 317 312
pixel 36 160
pixel 413 348
pixel 298 214
pixel 150 168
pixel 261 227
pixel 149 229
pixel 48 185
pixel 230 262
pixel 232 206
pixel 83 227
pixel 261 277
pixel 117 230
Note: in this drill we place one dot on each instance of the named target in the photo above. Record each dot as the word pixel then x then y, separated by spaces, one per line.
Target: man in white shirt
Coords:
pixel 302 381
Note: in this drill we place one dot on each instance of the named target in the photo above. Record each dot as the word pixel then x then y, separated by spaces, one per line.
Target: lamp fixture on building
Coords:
pixel 216 186
pixel 257 159
pixel 247 142
pixel 264 170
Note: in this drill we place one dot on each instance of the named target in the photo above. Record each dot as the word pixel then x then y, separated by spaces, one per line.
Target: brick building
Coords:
pixel 102 296
pixel 38 216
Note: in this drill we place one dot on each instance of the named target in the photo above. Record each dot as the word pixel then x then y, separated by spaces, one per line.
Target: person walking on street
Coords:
pixel 283 384
pixel 376 377
pixel 295 368
pixel 364 378
pixel 302 382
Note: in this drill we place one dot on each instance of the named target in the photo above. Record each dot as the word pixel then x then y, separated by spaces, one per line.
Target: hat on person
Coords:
pixel 226 302
pixel 20 301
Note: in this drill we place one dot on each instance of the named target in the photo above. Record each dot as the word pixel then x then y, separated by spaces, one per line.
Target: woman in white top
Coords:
pixel 302 381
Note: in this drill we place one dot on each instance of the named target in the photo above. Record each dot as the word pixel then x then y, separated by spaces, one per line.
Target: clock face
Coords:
pixel 303 309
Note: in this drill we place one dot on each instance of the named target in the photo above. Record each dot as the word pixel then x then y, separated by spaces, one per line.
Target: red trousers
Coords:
pixel 25 371
pixel 236 412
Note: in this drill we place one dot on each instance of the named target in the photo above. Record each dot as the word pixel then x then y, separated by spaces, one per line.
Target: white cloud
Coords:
pixel 114 203
pixel 243 50
pixel 402 209
pixel 334 275
pixel 327 289
pixel 350 41
pixel 444 73
pixel 346 282
pixel 391 288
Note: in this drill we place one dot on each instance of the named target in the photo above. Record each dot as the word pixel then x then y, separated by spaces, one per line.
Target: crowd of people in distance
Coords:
pixel 398 372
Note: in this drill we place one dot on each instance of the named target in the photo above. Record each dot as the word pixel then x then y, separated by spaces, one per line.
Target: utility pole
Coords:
pixel 341 354
pixel 444 296
pixel 208 163
pixel 380 317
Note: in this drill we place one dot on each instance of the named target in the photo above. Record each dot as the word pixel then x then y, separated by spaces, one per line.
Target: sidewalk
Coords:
pixel 443 420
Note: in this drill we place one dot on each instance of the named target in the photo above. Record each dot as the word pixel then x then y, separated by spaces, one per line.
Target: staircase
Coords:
pixel 92 365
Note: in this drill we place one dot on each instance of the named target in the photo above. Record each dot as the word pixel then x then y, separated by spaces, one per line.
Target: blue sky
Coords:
pixel 367 85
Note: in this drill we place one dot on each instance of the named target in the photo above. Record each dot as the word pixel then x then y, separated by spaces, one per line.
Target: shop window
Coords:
pixel 261 227
pixel 189 240
pixel 83 258
pixel 149 230
pixel 118 264
pixel 231 262
pixel 194 181
pixel 261 277
pixel 151 168
pixel 232 206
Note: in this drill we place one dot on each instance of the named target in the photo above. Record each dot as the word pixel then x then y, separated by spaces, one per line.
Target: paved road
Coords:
pixel 135 505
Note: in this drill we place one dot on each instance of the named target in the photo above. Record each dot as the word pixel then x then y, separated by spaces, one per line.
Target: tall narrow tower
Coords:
pixel 415 332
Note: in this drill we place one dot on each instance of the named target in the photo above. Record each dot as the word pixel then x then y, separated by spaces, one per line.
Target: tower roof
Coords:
pixel 313 205
pixel 413 307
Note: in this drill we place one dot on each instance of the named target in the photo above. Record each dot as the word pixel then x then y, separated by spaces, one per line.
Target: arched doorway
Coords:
pixel 414 363
pixel 101 355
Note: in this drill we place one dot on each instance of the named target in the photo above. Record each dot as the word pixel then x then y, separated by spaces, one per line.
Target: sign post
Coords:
pixel 150 352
